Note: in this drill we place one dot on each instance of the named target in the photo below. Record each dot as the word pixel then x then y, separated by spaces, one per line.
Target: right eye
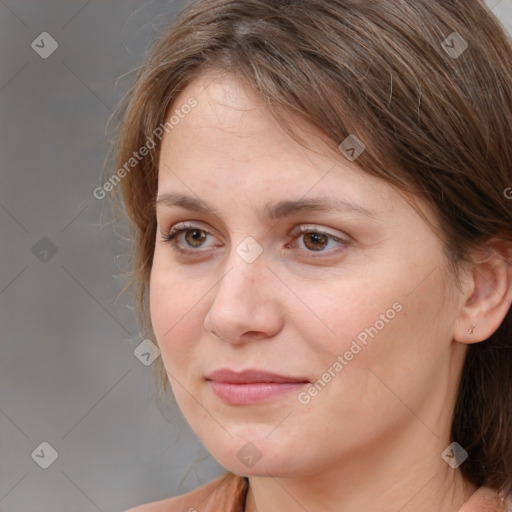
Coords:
pixel 194 236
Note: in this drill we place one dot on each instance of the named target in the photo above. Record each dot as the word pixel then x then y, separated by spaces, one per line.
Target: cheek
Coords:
pixel 174 309
pixel 381 326
pixel 398 348
pixel 359 312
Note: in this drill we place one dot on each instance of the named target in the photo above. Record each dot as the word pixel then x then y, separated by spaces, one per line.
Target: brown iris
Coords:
pixel 198 236
pixel 316 238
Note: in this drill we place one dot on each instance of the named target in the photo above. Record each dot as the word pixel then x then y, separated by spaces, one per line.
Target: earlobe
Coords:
pixel 489 297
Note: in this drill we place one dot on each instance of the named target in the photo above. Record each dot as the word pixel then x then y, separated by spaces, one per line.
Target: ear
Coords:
pixel 488 293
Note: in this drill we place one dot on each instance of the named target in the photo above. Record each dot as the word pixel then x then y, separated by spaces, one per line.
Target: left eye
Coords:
pixel 316 240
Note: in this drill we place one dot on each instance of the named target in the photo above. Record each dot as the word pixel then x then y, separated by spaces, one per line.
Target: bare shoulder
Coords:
pixel 192 501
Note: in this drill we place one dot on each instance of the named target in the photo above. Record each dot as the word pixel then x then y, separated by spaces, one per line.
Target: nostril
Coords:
pixel 253 335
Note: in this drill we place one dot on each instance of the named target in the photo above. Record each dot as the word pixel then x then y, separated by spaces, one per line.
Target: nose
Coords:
pixel 245 306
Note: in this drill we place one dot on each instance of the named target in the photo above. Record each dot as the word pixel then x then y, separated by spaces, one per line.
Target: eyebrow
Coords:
pixel 273 211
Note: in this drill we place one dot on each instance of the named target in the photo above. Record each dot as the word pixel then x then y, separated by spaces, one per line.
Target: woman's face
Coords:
pixel 356 317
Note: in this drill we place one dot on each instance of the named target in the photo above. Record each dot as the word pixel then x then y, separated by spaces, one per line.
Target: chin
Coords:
pixel 259 457
pixel 274 467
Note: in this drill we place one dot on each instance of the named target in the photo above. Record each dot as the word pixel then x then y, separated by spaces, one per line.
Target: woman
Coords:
pixel 320 197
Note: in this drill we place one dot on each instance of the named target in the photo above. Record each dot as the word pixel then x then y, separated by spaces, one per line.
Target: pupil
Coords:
pixel 317 238
pixel 196 235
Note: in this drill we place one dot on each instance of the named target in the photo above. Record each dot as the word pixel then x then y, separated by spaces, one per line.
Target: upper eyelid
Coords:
pixel 308 227
pixel 296 230
pixel 185 225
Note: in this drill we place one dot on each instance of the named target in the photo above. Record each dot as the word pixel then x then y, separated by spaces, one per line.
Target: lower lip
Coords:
pixel 254 393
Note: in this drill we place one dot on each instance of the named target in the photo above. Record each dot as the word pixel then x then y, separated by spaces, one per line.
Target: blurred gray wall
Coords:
pixel 79 427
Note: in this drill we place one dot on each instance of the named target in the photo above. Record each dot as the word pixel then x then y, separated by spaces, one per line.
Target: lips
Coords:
pixel 250 377
pixel 252 386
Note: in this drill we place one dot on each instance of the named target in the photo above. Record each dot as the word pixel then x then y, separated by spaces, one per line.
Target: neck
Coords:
pixel 406 475
pixel 276 494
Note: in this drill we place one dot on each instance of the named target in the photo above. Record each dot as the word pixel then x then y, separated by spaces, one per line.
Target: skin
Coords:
pixel 372 438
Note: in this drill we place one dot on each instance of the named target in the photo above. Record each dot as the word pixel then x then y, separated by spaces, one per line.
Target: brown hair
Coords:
pixel 435 117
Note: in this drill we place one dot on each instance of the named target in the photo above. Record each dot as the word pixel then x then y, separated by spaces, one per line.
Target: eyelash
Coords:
pixel 183 227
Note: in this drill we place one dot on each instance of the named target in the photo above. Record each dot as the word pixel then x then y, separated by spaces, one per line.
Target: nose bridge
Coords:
pixel 246 266
pixel 242 300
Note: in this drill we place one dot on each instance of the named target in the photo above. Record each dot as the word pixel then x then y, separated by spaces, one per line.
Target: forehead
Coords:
pixel 230 126
pixel 231 143
pixel 228 112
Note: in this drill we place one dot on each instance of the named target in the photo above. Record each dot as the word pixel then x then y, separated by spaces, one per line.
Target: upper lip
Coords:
pixel 250 376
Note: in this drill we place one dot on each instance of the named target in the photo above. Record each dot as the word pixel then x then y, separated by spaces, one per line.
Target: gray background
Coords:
pixel 68 373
